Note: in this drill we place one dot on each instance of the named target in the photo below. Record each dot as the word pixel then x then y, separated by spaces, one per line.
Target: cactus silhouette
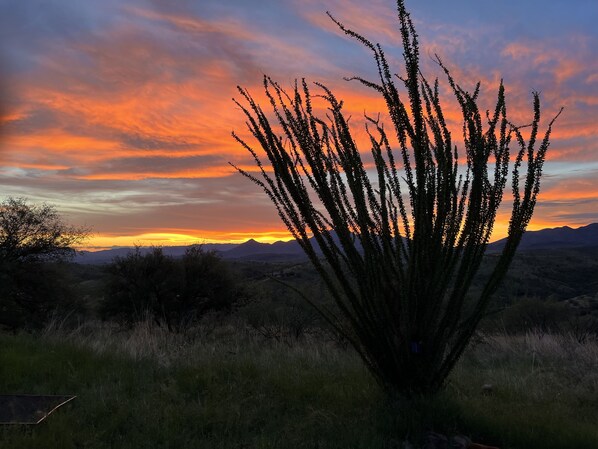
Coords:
pixel 398 249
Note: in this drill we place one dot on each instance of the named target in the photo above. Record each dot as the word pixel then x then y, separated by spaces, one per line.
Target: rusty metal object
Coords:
pixel 29 409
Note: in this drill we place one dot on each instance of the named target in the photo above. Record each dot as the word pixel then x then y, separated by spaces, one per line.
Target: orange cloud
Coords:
pixel 204 172
pixel 571 189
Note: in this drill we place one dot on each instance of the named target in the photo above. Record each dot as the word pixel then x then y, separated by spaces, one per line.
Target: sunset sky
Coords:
pixel 120 114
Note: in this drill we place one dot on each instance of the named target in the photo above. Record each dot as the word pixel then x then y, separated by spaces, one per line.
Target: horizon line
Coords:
pixel 259 239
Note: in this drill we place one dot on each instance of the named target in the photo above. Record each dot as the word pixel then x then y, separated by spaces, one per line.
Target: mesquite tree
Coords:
pixel 398 250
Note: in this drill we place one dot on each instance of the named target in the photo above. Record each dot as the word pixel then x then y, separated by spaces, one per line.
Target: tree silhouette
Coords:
pixel 30 232
pixel 398 251
pixel 33 287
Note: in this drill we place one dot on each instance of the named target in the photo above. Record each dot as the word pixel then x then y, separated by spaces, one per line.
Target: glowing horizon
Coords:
pixel 100 242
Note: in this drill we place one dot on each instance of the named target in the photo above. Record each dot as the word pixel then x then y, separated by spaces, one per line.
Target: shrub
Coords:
pixel 276 313
pixel 174 292
pixel 398 250
pixel 534 314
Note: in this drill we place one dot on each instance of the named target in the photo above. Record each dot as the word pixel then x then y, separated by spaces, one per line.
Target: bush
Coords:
pixel 277 312
pixel 174 292
pixel 534 314
pixel 33 293
pixel 34 244
pixel 575 317
pixel 402 235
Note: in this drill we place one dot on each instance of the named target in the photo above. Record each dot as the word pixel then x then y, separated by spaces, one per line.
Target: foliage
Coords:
pixel 30 232
pixel 281 316
pixel 534 314
pixel 34 241
pixel 577 317
pixel 172 291
pixel 559 274
pixel 400 251
pixel 33 293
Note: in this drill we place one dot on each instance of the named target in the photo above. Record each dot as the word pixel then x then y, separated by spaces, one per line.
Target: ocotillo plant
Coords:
pixel 399 267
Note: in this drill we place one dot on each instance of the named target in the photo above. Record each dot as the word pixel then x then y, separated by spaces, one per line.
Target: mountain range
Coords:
pixel 563 237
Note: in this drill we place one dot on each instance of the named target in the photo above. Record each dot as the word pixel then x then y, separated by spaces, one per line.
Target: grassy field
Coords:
pixel 228 388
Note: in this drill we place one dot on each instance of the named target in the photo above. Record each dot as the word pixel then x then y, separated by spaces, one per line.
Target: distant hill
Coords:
pixel 251 250
pixel 273 252
pixel 564 237
pixel 278 251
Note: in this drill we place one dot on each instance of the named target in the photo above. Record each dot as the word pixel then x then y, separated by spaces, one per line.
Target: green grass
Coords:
pixel 229 389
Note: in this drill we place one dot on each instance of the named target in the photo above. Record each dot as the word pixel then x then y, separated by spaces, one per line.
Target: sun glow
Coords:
pixel 99 242
pixel 102 241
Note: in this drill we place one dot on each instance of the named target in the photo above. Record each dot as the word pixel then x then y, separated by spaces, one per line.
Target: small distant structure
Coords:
pixel 29 409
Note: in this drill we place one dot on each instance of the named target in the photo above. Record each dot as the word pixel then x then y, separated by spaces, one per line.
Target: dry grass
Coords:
pixel 535 365
pixel 534 353
pixel 148 341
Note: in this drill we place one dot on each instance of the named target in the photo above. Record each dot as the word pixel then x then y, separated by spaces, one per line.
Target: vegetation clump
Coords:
pixel 173 292
pixel 400 249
